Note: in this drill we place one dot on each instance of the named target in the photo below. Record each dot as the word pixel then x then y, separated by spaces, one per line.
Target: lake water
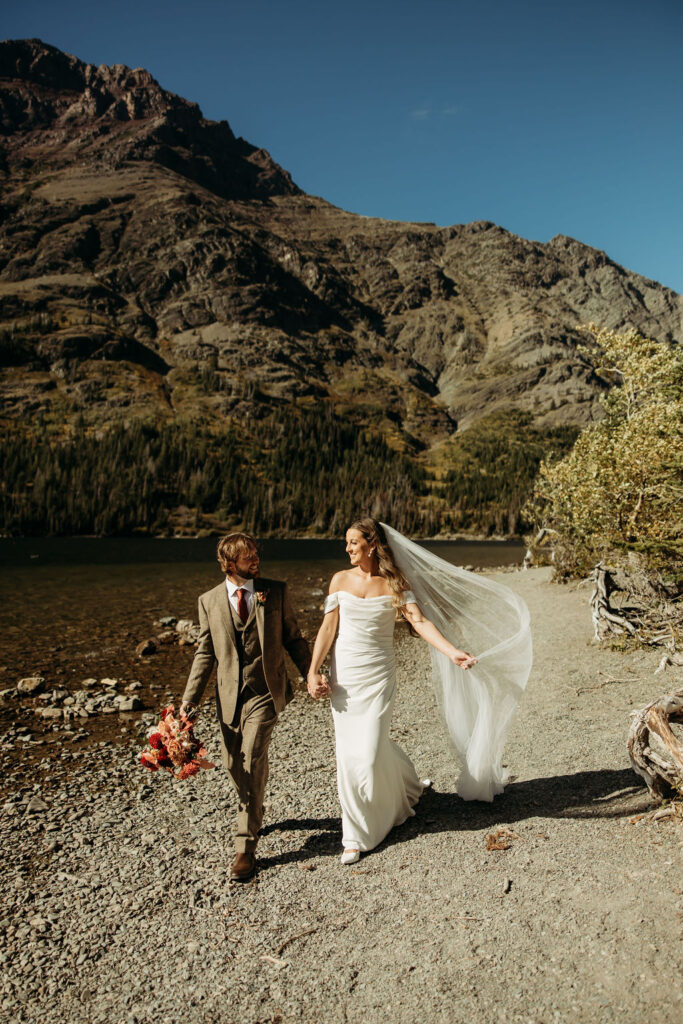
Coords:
pixel 75 608
pixel 77 551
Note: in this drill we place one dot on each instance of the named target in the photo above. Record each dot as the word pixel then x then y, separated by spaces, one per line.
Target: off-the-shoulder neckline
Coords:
pixel 380 597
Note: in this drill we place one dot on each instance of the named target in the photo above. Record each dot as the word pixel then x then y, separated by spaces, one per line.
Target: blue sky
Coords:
pixel 544 117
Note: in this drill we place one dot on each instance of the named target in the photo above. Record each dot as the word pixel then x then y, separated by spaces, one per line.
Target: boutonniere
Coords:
pixel 261 596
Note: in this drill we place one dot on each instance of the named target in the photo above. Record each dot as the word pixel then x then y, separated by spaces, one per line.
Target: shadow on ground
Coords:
pixel 606 793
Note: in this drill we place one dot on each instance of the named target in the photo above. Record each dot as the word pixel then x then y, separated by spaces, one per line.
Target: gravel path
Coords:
pixel 118 907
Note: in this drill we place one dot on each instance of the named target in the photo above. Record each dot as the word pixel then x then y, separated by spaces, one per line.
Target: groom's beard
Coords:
pixel 247 574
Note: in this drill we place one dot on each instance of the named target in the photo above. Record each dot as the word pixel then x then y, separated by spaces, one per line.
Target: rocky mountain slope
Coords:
pixel 159 272
pixel 151 262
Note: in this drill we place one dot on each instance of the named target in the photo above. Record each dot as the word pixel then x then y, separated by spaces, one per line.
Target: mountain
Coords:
pixel 155 268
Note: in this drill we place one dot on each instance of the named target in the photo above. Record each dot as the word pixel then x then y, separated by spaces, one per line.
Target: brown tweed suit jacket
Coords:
pixel 277 631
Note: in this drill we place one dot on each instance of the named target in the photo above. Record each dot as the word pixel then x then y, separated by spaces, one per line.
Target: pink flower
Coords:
pixel 175 751
pixel 147 762
pixel 174 747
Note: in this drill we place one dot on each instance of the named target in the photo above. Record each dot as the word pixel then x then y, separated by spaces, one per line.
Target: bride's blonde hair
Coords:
pixel 375 536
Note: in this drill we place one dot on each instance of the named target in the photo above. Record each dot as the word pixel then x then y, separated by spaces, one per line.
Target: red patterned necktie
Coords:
pixel 242 609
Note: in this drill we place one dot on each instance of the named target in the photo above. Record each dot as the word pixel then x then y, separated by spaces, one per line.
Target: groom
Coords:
pixel 246 624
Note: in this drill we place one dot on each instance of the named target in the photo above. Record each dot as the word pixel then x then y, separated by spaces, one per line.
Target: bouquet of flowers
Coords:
pixel 174 746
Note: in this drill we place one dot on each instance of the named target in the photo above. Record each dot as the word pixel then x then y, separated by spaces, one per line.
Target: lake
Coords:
pixel 77 607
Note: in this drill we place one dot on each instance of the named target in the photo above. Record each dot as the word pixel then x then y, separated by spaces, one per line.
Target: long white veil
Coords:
pixel 491 622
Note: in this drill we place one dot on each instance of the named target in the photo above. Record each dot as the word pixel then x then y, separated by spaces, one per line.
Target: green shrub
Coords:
pixel 619 489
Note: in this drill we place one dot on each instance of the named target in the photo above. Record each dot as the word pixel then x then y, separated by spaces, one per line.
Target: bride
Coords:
pixel 392 577
pixel 377 782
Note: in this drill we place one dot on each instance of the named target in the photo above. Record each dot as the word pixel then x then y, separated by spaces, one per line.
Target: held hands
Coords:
pixel 317 685
pixel 462 659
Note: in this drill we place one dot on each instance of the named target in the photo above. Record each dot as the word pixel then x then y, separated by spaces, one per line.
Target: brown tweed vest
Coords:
pixel 249 651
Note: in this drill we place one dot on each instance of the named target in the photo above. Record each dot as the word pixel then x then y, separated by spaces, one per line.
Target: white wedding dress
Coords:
pixel 377 782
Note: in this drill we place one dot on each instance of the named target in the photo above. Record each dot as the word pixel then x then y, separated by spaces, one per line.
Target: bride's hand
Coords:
pixel 317 685
pixel 462 659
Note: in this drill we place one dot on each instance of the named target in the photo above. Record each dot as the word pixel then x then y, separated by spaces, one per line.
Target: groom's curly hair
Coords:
pixel 231 547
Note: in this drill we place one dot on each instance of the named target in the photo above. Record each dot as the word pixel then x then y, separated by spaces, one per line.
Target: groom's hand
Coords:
pixel 317 685
pixel 189 709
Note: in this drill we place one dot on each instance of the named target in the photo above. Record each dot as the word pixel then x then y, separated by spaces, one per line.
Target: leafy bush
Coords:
pixel 619 489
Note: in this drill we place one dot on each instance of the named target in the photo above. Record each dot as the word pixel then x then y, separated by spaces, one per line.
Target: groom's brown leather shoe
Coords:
pixel 243 867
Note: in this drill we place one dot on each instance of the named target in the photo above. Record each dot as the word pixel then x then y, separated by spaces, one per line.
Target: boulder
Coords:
pixel 129 704
pixel 187 631
pixel 146 647
pixel 31 685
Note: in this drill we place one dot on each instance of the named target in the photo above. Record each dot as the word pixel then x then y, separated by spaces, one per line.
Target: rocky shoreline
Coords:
pixel 118 906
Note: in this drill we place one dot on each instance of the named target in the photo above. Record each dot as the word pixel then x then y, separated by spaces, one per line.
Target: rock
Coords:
pixel 168 620
pixel 36 805
pixel 90 682
pixel 109 682
pixel 146 647
pixel 129 704
pixel 9 694
pixel 187 631
pixel 31 685
pixel 167 637
pixel 49 712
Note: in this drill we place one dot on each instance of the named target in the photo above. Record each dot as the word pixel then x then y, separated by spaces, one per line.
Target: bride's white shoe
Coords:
pixel 350 856
pixel 427 783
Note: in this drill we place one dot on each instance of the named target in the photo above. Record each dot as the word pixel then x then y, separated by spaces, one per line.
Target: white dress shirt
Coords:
pixel 247 586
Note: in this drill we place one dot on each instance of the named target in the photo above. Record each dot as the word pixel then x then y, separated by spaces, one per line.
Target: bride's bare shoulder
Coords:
pixel 340 581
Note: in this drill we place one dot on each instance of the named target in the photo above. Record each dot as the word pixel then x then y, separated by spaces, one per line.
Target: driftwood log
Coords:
pixel 650 609
pixel 662 768
pixel 605 618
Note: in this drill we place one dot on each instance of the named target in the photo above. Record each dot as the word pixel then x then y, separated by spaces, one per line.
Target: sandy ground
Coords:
pixel 122 909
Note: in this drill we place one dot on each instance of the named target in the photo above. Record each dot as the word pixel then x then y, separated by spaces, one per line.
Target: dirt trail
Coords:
pixel 578 920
